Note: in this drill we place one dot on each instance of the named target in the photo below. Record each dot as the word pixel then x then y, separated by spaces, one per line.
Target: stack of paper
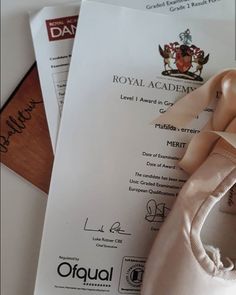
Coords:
pixel 115 175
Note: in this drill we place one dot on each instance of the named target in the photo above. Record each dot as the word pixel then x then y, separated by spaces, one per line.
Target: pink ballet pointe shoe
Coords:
pixel 179 262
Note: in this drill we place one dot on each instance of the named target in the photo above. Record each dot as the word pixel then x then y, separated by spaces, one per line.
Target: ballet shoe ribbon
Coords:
pixel 222 124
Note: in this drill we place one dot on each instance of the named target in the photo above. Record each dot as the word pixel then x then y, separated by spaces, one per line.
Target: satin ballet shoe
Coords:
pixel 179 263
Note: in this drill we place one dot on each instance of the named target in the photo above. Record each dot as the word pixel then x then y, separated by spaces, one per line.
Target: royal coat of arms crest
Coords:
pixel 179 59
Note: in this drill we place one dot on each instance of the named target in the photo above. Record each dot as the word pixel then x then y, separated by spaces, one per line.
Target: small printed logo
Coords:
pixel 179 59
pixel 135 275
pixel 87 275
pixel 131 276
pixel 61 28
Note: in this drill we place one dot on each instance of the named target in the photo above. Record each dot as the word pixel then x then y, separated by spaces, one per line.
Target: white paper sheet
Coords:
pixel 116 176
pixel 53 70
pixel 209 9
pixel 53 31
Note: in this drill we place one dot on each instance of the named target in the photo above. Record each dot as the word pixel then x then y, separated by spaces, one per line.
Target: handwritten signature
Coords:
pixel 156 212
pixel 17 124
pixel 115 228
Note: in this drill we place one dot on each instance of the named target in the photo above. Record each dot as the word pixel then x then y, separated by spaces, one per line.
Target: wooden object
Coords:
pixel 25 144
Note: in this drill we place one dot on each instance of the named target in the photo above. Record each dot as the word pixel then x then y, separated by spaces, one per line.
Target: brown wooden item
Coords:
pixel 25 143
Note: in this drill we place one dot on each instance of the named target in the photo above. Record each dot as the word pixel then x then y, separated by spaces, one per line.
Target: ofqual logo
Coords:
pixel 85 274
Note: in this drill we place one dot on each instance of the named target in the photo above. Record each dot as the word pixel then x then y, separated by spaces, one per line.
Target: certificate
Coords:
pixel 53 30
pixel 209 9
pixel 116 175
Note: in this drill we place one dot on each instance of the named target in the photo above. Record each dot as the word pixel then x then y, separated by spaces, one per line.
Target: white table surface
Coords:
pixel 23 205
